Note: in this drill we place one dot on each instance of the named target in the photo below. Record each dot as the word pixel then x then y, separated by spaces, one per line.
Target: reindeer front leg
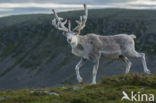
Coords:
pixel 95 69
pixel 78 66
pixel 95 58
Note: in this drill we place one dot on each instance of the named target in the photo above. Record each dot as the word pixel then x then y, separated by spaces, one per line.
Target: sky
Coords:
pixel 17 7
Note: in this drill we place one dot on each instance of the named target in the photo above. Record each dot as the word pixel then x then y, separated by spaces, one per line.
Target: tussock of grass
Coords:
pixel 109 90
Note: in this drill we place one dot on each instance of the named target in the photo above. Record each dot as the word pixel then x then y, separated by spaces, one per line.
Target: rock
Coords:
pixel 32 92
pixel 77 88
pixel 122 80
pixel 44 92
pixel 142 88
pixel 53 93
pixel 4 97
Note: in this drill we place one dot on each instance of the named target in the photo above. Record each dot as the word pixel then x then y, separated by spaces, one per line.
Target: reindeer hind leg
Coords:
pixel 128 63
pixel 135 54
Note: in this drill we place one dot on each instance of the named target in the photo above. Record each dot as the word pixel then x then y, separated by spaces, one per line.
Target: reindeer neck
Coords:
pixel 79 39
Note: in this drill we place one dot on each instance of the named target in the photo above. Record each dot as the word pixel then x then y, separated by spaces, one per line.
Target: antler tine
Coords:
pixel 83 19
pixel 69 25
pixel 56 16
pixel 57 22
pixel 86 10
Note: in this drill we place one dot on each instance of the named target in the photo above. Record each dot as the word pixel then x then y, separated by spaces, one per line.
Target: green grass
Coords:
pixel 109 90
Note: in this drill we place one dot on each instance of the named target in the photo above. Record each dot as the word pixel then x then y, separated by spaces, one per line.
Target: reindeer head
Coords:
pixel 71 35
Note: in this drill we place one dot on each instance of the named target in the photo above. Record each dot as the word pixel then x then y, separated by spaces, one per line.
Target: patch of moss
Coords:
pixel 109 90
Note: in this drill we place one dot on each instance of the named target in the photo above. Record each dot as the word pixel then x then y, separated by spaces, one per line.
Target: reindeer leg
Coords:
pixel 136 54
pixel 80 64
pixel 142 56
pixel 95 68
pixel 128 63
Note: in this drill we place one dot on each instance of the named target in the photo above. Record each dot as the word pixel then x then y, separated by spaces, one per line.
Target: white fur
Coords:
pixel 73 38
pixel 123 44
pixel 82 53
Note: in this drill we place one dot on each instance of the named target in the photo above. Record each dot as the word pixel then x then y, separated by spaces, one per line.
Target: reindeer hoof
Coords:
pixel 93 83
pixel 148 72
pixel 81 82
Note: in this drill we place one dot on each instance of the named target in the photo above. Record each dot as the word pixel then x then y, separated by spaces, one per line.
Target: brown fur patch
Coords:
pixel 80 47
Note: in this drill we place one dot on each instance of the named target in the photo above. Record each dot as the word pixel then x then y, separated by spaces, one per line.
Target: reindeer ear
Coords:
pixel 76 32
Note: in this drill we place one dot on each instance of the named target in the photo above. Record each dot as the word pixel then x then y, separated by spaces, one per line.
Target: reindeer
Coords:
pixel 92 47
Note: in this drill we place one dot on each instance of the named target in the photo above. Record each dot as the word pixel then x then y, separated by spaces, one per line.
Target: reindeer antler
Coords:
pixel 58 22
pixel 83 19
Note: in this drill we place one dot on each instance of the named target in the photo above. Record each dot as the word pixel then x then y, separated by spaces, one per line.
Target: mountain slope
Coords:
pixel 34 54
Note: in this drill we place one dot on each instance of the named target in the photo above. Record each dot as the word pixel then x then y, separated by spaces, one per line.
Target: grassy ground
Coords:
pixel 109 90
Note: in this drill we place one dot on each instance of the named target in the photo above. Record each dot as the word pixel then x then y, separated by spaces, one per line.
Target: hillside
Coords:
pixel 34 54
pixel 109 90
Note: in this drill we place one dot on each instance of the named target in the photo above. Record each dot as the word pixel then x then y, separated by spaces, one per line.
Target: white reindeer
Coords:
pixel 92 46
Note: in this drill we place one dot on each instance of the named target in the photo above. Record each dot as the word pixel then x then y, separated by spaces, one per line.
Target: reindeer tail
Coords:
pixel 132 36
